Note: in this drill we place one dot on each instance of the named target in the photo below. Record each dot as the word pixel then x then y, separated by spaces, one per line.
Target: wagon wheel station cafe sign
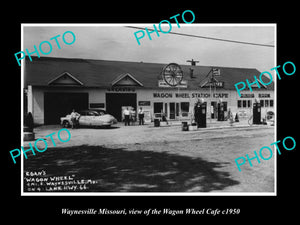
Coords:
pixel 188 95
pixel 184 84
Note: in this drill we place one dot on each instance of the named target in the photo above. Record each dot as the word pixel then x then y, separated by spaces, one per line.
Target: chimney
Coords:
pixel 192 73
pixel 193 63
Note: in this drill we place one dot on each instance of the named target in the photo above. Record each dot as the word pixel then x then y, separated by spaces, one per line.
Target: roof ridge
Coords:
pixel 101 73
pixel 141 62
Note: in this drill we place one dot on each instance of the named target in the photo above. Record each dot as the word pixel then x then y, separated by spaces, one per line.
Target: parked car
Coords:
pixel 100 111
pixel 90 118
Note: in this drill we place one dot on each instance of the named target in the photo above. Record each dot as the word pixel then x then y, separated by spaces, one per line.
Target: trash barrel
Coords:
pixel 156 122
pixel 185 126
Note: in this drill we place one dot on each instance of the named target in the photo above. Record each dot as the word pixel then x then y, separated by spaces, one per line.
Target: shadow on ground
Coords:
pixel 121 170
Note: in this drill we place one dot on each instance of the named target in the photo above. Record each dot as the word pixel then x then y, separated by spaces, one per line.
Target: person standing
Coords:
pixel 197 113
pixel 230 117
pixel 141 116
pixel 164 117
pixel 127 116
pixel 133 116
pixel 74 119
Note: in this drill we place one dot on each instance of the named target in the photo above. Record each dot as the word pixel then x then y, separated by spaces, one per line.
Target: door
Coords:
pixel 158 109
pixel 83 118
pixel 90 119
pixel 115 101
pixel 59 104
pixel 172 111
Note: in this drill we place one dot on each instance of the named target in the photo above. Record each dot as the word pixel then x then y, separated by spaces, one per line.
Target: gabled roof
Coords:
pixel 103 73
pixel 254 84
pixel 206 80
pixel 65 79
pixel 132 81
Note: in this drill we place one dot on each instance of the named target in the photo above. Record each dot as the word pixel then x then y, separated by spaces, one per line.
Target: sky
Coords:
pixel 117 42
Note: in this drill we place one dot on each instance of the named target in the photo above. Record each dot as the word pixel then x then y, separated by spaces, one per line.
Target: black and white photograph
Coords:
pixel 124 111
pixel 129 109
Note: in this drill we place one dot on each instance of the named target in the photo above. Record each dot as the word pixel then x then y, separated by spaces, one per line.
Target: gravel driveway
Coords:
pixel 159 159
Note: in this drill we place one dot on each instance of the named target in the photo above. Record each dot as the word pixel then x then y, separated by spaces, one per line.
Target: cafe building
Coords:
pixel 55 86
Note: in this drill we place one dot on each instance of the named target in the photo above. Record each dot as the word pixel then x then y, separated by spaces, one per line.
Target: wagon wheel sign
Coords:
pixel 172 74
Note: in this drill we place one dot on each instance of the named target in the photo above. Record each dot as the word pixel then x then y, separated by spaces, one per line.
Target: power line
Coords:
pixel 210 38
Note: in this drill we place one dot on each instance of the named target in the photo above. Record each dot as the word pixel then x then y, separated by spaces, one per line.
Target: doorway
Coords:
pixel 59 104
pixel 172 111
pixel 115 101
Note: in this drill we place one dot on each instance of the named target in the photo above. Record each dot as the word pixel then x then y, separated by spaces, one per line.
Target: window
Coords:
pixel 239 103
pixel 166 108
pixel 177 109
pixel 266 103
pixel 184 107
pixel 271 103
pixel 91 113
pixel 244 103
pixel 262 103
pixel 249 103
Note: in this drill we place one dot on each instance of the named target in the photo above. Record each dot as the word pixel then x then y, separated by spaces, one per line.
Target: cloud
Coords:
pixel 111 42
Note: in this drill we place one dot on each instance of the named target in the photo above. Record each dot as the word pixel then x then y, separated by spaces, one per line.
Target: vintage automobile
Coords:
pixel 90 118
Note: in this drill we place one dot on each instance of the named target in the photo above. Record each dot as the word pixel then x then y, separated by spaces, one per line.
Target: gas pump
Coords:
pixel 220 111
pixel 203 115
pixel 200 113
pixel 256 113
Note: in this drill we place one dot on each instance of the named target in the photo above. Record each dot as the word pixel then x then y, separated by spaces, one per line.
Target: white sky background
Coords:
pixel 116 42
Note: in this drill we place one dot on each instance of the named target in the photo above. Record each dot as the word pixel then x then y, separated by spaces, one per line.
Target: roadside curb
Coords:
pixel 239 126
pixel 215 127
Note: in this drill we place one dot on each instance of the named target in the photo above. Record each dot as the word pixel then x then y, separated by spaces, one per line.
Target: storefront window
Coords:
pixel 184 106
pixel 266 103
pixel 249 103
pixel 177 109
pixel 166 108
pixel 239 102
pixel 225 106
pixel 244 103
pixel 262 103
pixel 271 103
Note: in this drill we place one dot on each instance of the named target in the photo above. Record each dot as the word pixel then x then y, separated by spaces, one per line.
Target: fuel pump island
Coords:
pixel 173 76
